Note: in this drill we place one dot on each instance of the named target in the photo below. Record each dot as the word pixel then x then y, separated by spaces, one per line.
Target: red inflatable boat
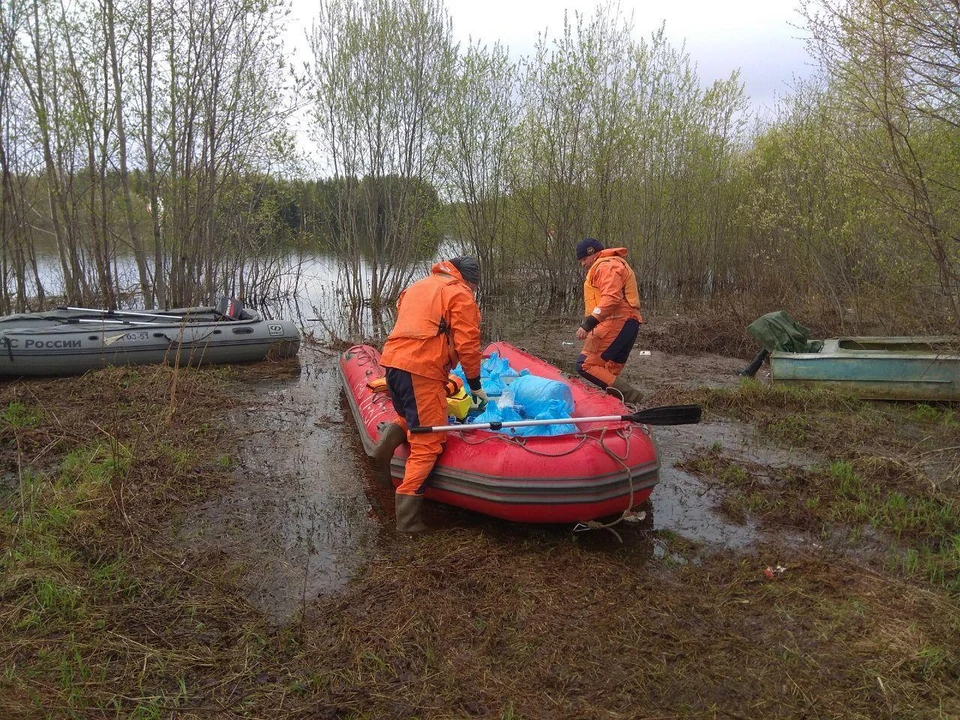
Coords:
pixel 598 471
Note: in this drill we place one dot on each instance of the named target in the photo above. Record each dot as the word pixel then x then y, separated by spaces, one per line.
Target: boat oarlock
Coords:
pixel 664 415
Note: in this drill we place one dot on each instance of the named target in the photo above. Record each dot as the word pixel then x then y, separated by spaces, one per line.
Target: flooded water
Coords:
pixel 306 509
pixel 688 506
pixel 684 504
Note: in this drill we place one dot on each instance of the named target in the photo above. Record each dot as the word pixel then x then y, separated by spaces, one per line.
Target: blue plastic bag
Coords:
pixel 539 395
pixel 495 374
pixel 498 369
pixel 528 397
pixel 551 409
pixel 494 413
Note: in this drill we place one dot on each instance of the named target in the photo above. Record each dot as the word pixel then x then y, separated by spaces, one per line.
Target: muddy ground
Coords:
pixel 772 575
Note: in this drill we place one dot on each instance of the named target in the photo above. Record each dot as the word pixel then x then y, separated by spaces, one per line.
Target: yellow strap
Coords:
pixel 378 385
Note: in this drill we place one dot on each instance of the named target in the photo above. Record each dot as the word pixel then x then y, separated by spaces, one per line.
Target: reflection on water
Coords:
pixel 314 296
pixel 687 506
pixel 311 289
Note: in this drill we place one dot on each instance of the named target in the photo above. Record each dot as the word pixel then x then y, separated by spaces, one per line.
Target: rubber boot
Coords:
pixel 392 436
pixel 630 394
pixel 751 369
pixel 409 513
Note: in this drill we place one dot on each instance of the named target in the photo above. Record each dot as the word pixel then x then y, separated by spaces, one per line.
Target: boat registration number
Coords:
pixel 134 336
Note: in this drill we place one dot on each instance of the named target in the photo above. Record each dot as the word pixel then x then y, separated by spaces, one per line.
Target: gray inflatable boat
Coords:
pixel 70 341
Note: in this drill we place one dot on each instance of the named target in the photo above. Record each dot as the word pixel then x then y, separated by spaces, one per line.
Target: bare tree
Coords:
pixel 554 165
pixel 620 141
pixel 381 70
pixel 109 13
pixel 480 116
pixel 38 69
pixel 15 248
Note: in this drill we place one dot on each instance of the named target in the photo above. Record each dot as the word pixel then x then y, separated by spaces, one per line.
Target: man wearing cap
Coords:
pixel 438 324
pixel 612 318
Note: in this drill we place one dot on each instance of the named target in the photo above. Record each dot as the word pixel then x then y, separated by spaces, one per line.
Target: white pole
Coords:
pixel 127 312
pixel 520 423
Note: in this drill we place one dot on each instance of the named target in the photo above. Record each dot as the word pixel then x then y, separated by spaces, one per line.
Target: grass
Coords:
pixel 16 415
pixel 105 610
pixel 833 423
pixel 85 584
pixel 873 476
pixel 944 416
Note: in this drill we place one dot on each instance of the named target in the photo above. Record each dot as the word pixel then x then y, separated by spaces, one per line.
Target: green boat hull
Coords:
pixel 880 368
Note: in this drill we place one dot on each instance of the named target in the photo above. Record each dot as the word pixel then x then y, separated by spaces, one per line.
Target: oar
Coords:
pixel 126 312
pixel 665 415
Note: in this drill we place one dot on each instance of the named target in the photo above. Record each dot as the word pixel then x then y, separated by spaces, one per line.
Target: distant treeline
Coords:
pixel 162 131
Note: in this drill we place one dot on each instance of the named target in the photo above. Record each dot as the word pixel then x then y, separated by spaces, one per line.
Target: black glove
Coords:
pixel 589 323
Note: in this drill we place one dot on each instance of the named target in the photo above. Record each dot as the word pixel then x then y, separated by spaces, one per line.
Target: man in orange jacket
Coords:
pixel 612 318
pixel 438 324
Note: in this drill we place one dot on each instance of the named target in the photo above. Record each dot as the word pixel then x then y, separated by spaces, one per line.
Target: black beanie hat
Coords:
pixel 588 246
pixel 469 268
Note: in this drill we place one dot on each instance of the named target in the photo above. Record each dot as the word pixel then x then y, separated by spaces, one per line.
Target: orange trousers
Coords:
pixel 419 401
pixel 606 350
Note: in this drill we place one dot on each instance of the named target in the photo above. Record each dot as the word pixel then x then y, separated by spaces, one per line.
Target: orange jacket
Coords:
pixel 438 322
pixel 610 290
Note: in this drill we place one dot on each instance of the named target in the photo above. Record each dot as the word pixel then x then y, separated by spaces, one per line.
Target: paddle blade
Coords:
pixel 667 415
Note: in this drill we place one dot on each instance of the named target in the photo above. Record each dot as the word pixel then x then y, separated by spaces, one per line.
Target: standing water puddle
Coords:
pixel 688 506
pixel 300 513
pixel 306 510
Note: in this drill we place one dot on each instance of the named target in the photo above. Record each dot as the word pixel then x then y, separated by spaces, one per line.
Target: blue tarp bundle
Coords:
pixel 521 396
pixel 495 374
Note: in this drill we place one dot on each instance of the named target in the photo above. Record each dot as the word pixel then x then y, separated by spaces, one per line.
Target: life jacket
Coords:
pixel 629 293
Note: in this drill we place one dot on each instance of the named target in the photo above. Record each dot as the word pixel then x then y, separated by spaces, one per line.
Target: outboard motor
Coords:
pixel 777 331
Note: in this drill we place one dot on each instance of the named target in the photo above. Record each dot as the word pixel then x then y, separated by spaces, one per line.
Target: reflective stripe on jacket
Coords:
pixel 610 290
pixel 438 322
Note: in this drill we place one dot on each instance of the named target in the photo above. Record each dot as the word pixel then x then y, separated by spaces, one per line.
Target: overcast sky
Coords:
pixel 761 37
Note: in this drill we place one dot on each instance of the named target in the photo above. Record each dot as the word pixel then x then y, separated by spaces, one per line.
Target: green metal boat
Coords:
pixel 881 368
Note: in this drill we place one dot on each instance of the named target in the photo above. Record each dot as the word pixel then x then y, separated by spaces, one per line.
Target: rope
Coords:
pixel 625 433
pixel 520 441
pixel 596 524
